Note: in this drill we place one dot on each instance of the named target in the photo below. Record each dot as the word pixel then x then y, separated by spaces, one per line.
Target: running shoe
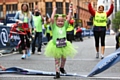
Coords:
pixel 39 53
pixel 23 56
pixel 28 53
pixel 97 55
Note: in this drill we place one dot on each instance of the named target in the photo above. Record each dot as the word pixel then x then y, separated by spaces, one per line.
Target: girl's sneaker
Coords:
pixel 62 70
pixel 23 56
pixel 28 53
pixel 57 76
pixel 97 55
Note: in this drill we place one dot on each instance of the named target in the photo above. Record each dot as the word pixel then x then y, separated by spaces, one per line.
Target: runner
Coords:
pixel 24 16
pixel 100 24
pixel 59 47
pixel 38 30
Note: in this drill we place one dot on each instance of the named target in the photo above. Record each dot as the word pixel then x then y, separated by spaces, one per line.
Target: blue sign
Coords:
pixel 10 18
pixel 4 37
pixel 90 33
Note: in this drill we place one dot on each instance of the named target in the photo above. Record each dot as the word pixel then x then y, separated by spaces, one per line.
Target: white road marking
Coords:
pixel 3 55
pixel 43 76
pixel 109 46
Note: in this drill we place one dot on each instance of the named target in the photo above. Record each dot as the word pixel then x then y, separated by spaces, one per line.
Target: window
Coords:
pixel 103 1
pixel 115 6
pixel 94 4
pixel 8 9
pixel 106 7
pixel 11 8
pixel 59 6
pixel 67 8
pixel 106 1
pixel 119 5
pixel 1 11
pixel 14 8
pixel 31 6
pixel 48 8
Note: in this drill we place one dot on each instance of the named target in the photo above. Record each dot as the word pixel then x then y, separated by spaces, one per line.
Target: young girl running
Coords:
pixel 59 47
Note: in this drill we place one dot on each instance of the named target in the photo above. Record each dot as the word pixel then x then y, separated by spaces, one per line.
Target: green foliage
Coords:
pixel 116 21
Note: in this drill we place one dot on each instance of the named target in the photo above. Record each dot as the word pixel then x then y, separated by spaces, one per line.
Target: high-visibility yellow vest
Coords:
pixel 100 19
pixel 70 27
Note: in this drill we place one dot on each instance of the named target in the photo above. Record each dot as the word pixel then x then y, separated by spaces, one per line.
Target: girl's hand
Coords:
pixel 34 29
pixel 3 68
pixel 112 1
pixel 55 9
pixel 71 6
pixel 89 1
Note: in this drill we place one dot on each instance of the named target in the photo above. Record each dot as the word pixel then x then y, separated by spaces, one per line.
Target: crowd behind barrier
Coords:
pixel 5 30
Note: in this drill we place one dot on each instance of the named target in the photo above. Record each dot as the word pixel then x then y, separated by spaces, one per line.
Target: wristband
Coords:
pixel 70 10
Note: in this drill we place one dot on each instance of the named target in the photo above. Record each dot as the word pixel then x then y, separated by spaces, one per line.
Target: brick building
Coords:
pixel 80 8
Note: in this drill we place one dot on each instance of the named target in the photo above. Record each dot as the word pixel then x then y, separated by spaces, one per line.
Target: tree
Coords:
pixel 116 21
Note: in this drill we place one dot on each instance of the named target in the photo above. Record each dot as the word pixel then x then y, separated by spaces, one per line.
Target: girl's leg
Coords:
pixel 28 44
pixel 57 66
pixel 103 33
pixel 39 42
pixel 63 60
pixel 96 37
pixel 34 43
pixel 23 46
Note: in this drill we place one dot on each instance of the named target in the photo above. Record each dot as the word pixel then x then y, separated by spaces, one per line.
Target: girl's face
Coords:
pixel 24 8
pixel 60 21
pixel 101 8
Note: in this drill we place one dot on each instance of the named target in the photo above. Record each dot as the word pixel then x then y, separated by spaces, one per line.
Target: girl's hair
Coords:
pixel 27 11
pixel 47 20
pixel 60 15
pixel 101 6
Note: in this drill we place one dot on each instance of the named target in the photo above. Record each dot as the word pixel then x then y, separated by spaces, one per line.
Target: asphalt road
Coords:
pixel 81 64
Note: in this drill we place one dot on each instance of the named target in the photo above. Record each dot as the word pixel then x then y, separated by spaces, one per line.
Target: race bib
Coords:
pixel 61 42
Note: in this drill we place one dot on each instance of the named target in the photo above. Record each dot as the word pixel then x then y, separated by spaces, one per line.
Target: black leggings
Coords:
pixel 48 37
pixel 23 42
pixel 97 35
pixel 70 35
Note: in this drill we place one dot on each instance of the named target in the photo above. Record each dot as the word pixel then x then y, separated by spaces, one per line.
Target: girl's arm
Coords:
pixel 3 68
pixel 109 12
pixel 70 13
pixel 31 23
pixel 91 10
pixel 53 14
pixel 16 18
pixel 40 11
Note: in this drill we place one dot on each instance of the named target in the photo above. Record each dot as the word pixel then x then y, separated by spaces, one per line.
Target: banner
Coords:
pixel 18 70
pixel 106 63
pixel 10 18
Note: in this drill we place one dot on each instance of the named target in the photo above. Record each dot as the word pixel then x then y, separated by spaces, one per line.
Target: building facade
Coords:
pixel 107 4
pixel 80 11
pixel 83 12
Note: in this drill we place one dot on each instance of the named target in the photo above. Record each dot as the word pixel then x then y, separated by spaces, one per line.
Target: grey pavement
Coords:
pixel 81 64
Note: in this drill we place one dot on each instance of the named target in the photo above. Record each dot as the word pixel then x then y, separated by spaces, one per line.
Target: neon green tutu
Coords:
pixel 52 51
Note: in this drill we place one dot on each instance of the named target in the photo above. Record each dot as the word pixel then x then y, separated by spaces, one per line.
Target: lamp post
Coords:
pixel 78 7
pixel 77 12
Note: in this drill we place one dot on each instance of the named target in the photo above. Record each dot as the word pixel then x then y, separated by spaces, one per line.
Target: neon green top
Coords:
pixel 38 23
pixel 59 32
pixel 48 29
pixel 25 18
pixel 100 19
pixel 70 27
